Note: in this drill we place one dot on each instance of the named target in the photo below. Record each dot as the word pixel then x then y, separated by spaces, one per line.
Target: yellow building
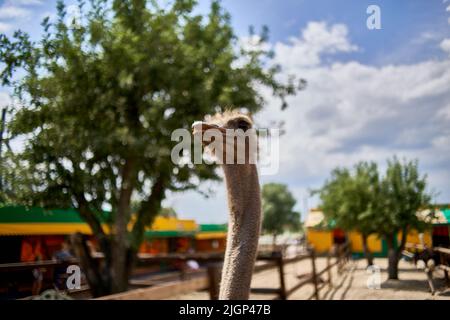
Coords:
pixel 322 235
pixel 27 232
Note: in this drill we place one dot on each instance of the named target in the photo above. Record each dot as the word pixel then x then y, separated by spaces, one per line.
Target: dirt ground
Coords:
pixel 351 284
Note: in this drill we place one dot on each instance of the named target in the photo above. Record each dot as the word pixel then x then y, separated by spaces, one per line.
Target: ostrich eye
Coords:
pixel 243 125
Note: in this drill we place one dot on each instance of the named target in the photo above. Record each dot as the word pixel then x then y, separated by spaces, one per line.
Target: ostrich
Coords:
pixel 244 204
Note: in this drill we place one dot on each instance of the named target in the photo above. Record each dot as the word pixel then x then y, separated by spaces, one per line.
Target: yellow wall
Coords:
pixel 163 224
pixel 210 235
pixel 373 242
pixel 322 241
pixel 413 237
pixel 48 228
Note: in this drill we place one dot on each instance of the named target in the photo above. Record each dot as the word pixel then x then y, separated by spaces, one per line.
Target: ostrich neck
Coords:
pixel 244 203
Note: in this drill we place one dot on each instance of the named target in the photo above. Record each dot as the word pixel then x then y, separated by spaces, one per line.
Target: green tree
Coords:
pixel 168 212
pixel 403 194
pixel 350 198
pixel 388 205
pixel 98 98
pixel 278 210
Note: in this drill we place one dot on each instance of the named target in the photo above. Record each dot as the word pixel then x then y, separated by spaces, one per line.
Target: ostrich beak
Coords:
pixel 199 127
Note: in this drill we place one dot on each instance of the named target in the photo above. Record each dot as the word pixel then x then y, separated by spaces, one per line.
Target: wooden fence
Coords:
pixel 438 256
pixel 444 262
pixel 208 277
pixel 210 280
pixel 342 254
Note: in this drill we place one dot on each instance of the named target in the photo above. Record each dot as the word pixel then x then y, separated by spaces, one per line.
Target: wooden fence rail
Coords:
pixel 342 254
pixel 211 279
pixel 433 258
pixel 209 276
pixel 444 262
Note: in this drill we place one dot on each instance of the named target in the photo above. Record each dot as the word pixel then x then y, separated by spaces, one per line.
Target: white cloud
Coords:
pixel 5 99
pixel 191 204
pixel 28 2
pixel 5 26
pixel 351 112
pixel 73 13
pixel 13 12
pixel 315 40
pixel 445 45
pixel 253 43
pixel 426 36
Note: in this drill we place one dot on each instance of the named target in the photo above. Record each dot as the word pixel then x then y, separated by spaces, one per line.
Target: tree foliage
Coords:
pixel 98 97
pixel 278 209
pixel 351 199
pixel 168 212
pixel 387 205
pixel 403 194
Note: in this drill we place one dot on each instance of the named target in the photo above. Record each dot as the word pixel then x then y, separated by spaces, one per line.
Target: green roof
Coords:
pixel 213 227
pixel 446 213
pixel 22 214
pixel 168 233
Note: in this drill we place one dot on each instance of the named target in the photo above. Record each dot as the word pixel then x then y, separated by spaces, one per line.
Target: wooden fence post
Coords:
pixel 429 272
pixel 280 265
pixel 443 262
pixel 338 258
pixel 314 274
pixel 214 270
pixel 183 272
pixel 329 269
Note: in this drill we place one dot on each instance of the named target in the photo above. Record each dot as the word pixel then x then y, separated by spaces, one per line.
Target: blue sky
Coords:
pixel 402 21
pixel 371 93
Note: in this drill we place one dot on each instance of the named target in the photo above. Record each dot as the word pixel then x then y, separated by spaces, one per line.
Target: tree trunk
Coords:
pixel 392 259
pixel 120 267
pixel 401 247
pixel 99 273
pixel 96 272
pixel 110 274
pixel 393 264
pixel 274 242
pixel 366 250
pixel 148 211
pixel 121 249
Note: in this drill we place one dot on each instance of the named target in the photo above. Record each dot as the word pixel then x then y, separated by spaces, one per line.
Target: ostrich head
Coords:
pixel 229 137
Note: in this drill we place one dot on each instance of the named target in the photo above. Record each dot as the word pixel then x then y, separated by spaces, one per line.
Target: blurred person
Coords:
pixel 60 274
pixel 64 254
pixel 38 276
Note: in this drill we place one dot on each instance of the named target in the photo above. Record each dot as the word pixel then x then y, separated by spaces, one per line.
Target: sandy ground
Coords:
pixel 350 285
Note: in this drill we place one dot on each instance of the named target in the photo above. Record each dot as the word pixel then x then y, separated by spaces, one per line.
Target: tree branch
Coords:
pixel 148 211
pixel 402 241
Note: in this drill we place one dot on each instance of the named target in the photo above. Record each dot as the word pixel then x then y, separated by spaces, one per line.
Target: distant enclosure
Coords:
pixel 323 235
